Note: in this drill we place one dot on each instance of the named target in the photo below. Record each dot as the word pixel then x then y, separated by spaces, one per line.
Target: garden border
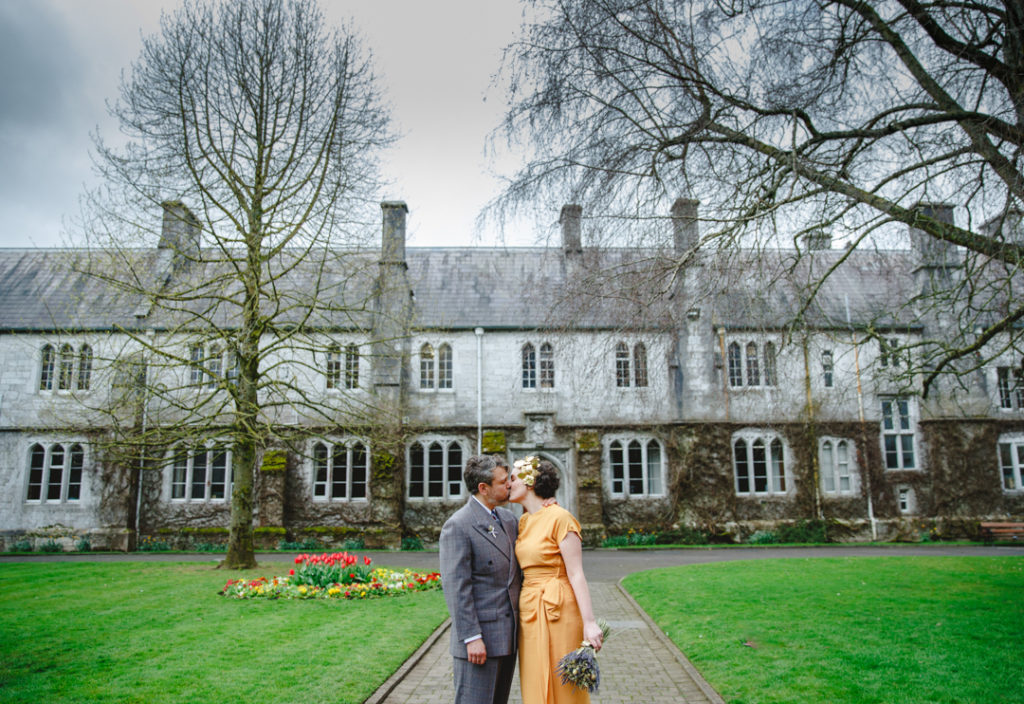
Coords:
pixel 406 667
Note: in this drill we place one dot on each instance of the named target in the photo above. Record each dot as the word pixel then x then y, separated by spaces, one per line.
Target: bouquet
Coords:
pixel 579 668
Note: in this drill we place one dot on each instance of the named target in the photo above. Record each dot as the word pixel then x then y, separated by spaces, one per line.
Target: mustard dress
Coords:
pixel 550 621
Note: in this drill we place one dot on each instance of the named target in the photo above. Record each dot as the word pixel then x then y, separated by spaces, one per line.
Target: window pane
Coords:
pixel 196 368
pixel 199 475
pixel 843 466
pixel 636 468
pixel 760 461
pixel 735 365
pixel 56 478
pixel 828 477
pixel 319 470
pixel 218 473
pixel 67 367
pixel 444 367
pixel 892 458
pixel 84 368
pixel 333 370
pixel 213 367
pixel 621 365
pixel 351 367
pixel 778 466
pixel 416 470
pixel 1006 463
pixel 359 470
pixel 1003 379
pixel 904 415
pixel 769 364
pixel 426 367
pixel 75 473
pixel 739 460
pixel 640 364
pixel 179 476
pixel 547 366
pixel 887 423
pixel 455 470
pixel 35 473
pixel 339 472
pixel 753 369
pixel 907 442
pixel 46 370
pixel 435 470
pixel 617 466
pixel 653 468
pixel 529 367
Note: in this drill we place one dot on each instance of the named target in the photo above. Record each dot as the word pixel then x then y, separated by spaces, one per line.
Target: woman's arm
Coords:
pixel 572 553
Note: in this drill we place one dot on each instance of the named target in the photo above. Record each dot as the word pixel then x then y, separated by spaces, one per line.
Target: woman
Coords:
pixel 554 606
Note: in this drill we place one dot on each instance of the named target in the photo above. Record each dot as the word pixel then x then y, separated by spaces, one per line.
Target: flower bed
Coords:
pixel 333 576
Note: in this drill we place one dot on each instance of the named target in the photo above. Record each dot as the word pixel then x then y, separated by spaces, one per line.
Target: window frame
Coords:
pixel 775 456
pixel 1010 388
pixel 67 477
pixel 546 366
pixel 619 474
pixel 751 365
pixel 899 434
pixel 351 370
pixel 528 354
pixel 1014 442
pixel 828 369
pixel 329 481
pixel 833 467
pixel 622 365
pixel 186 479
pixel 445 367
pixel 65 369
pixel 450 473
pixel 332 368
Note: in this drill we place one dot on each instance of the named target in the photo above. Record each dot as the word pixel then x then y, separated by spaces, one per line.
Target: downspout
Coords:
pixel 860 412
pixel 142 449
pixel 479 332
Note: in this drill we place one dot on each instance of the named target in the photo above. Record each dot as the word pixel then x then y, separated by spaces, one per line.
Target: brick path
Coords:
pixel 640 664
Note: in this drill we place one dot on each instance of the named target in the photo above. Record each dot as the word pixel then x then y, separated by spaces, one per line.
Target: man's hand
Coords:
pixel 476 651
pixel 549 502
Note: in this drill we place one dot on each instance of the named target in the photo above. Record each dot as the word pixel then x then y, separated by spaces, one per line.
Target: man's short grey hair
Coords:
pixel 479 469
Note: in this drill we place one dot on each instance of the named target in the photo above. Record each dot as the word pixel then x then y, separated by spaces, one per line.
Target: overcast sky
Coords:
pixel 60 60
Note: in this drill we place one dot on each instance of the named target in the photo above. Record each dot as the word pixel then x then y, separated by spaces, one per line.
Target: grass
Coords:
pixel 159 633
pixel 898 630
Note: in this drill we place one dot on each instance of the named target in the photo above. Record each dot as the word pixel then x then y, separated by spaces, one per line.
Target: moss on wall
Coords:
pixel 493 442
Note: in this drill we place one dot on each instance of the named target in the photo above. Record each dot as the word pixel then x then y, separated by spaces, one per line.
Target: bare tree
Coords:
pixel 257 128
pixel 789 118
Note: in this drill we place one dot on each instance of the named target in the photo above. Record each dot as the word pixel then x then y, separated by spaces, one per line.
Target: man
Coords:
pixel 481 581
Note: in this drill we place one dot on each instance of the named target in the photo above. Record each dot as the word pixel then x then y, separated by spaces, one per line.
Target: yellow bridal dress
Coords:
pixel 551 625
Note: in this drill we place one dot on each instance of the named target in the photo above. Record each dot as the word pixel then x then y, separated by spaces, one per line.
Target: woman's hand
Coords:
pixel 592 634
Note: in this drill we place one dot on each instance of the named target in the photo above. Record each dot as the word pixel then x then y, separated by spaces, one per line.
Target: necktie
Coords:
pixel 494 515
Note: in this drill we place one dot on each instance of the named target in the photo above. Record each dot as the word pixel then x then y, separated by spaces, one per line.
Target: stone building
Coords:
pixel 671 387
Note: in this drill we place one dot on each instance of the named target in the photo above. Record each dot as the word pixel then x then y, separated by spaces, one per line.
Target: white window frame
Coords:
pixel 776 483
pixel 351 369
pixel 899 432
pixel 1010 388
pixel 833 469
pixel 619 474
pixel 828 369
pixel 332 368
pixel 528 360
pixel 184 475
pixel 210 364
pixel 450 471
pixel 64 369
pixel 546 366
pixel 906 500
pixel 350 485
pixel 622 365
pixel 750 364
pixel 69 488
pixel 1010 456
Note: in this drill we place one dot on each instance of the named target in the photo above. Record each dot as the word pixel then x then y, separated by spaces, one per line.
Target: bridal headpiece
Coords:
pixel 526 469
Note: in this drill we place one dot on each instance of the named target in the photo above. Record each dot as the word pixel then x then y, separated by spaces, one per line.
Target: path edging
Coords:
pixel 698 679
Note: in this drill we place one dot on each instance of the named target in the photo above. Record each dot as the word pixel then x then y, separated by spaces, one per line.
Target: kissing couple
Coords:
pixel 514 585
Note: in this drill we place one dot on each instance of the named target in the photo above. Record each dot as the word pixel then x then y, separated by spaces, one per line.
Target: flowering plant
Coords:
pixel 579 668
pixel 354 580
pixel 526 469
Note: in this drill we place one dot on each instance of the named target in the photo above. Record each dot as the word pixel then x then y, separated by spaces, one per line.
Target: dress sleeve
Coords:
pixel 565 523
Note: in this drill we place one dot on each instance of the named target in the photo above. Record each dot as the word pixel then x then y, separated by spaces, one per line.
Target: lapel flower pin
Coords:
pixel 490 530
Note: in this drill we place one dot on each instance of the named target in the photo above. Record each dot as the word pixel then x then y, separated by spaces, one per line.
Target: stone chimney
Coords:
pixel 818 239
pixel 572 241
pixel 934 252
pixel 392 249
pixel 180 230
pixel 685 228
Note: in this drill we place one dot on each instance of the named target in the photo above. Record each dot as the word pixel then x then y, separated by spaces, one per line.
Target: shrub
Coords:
pixel 412 542
pixel 22 545
pixel 353 544
pixel 51 545
pixel 209 547
pixel 763 537
pixel 803 531
pixel 151 544
pixel 682 536
pixel 83 545
pixel 307 544
pixel 633 537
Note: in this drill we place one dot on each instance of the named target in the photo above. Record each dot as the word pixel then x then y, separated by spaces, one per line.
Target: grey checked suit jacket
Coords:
pixel 481 578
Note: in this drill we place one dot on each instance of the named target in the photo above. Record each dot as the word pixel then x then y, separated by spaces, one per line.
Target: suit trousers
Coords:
pixel 489 683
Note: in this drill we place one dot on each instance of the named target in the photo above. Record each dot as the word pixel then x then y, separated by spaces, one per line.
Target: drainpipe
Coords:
pixel 811 430
pixel 142 450
pixel 863 433
pixel 479 332
pixel 725 369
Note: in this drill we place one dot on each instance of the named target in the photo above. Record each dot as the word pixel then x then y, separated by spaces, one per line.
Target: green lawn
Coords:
pixel 854 630
pixel 159 633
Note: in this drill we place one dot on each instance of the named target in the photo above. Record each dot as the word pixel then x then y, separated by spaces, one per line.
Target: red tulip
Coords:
pixel 366 560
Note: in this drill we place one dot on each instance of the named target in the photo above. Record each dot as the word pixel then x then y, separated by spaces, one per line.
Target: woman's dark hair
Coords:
pixel 546 483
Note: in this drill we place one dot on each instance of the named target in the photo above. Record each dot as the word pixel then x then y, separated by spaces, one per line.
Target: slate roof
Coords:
pixel 465 287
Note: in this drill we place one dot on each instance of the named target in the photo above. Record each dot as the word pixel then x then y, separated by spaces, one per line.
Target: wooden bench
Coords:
pixel 993 531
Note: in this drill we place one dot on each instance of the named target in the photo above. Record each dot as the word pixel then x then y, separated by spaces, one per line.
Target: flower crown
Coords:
pixel 526 469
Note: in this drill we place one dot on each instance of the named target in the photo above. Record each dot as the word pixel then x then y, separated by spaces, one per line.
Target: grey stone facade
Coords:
pixel 687 405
